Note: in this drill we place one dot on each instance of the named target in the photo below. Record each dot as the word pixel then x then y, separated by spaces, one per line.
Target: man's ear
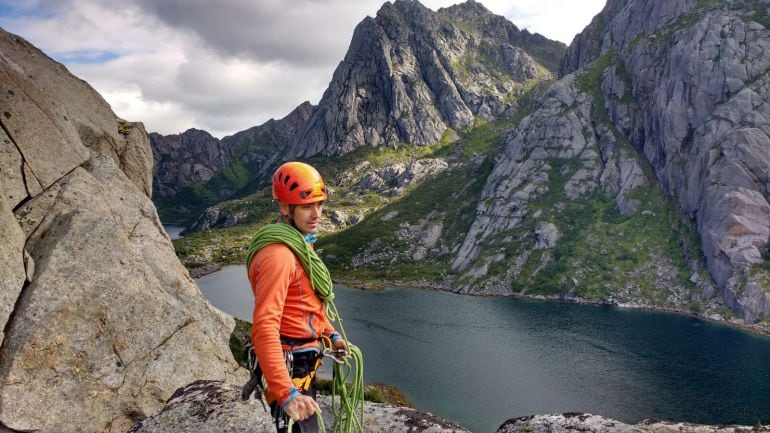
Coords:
pixel 283 208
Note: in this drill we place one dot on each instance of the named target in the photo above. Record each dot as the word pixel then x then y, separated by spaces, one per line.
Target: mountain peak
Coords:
pixel 469 8
pixel 412 73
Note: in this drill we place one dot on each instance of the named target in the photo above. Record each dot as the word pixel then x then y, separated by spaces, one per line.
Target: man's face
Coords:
pixel 306 217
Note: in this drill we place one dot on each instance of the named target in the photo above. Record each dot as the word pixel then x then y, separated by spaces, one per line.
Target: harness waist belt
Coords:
pixel 291 341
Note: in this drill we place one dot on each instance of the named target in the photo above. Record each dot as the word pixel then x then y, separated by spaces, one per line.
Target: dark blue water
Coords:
pixel 479 361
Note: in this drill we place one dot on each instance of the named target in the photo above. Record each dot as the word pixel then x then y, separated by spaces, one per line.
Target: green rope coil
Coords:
pixel 350 416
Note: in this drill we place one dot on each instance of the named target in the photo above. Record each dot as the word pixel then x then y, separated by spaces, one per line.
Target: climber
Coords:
pixel 290 325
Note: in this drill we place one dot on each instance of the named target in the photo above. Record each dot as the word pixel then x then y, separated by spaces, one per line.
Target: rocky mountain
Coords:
pixel 686 89
pixel 411 77
pixel 180 159
pixel 693 99
pixel 639 178
pixel 410 73
pixel 100 322
pixel 194 169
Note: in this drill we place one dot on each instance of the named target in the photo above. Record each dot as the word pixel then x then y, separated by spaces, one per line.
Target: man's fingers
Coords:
pixel 302 407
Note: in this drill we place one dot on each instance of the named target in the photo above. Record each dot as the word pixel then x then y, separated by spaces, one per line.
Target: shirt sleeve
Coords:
pixel 270 275
pixel 329 330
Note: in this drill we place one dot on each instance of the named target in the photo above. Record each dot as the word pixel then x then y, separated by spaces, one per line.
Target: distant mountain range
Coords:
pixel 639 177
pixel 409 74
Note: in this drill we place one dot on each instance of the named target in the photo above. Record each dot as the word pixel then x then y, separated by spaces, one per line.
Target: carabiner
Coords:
pixel 336 355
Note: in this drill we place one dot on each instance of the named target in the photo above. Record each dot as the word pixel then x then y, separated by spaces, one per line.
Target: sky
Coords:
pixel 225 66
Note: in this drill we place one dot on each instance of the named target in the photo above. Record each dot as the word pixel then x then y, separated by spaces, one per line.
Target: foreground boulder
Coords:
pixel 585 422
pixel 217 407
pixel 101 323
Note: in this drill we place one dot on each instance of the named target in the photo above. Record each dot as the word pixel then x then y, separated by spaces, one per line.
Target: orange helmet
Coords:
pixel 298 183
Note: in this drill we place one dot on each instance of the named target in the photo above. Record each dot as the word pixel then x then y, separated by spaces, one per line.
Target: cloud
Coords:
pixel 554 19
pixel 302 32
pixel 221 66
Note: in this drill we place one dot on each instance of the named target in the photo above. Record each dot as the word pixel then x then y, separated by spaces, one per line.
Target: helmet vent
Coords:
pixel 293 186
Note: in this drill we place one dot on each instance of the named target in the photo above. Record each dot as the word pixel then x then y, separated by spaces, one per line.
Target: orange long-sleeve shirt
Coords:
pixel 285 304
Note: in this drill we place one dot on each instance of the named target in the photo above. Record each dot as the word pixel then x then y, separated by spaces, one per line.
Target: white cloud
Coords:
pixel 229 65
pixel 555 19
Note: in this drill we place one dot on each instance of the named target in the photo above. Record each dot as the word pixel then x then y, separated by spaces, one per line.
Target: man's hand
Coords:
pixel 340 344
pixel 302 407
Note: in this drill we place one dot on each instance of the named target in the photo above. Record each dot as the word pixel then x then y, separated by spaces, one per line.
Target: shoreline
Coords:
pixel 757 328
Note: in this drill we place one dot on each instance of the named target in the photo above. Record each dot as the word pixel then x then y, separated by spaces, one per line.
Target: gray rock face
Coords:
pixel 392 179
pixel 411 73
pixel 523 171
pixel 694 99
pixel 586 422
pixel 261 146
pixel 179 159
pixel 339 218
pixel 546 236
pixel 214 217
pixel 95 305
pixel 216 407
pixel 221 166
pixel 12 273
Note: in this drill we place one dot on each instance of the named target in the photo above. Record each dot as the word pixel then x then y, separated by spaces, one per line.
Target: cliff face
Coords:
pixel 180 159
pixel 100 321
pixel 194 170
pixel 411 73
pixel 260 146
pixel 689 88
pixel 684 90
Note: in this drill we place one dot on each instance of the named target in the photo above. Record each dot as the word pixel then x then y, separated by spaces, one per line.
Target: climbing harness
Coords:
pixel 347 376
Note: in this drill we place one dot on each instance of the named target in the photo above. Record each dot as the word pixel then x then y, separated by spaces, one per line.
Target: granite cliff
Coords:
pixel 410 73
pixel 688 88
pixel 100 321
pixel 684 90
pixel 193 170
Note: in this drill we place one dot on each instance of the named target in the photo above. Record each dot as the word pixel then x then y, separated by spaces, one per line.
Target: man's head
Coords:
pixel 300 191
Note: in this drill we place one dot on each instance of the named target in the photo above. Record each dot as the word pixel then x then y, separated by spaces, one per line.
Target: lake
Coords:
pixel 173 231
pixel 478 361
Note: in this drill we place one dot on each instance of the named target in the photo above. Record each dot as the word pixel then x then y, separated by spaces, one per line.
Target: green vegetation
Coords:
pixel 590 81
pixel 603 250
pixel 238 339
pixel 455 188
pixel 759 14
pixel 224 246
pixel 760 273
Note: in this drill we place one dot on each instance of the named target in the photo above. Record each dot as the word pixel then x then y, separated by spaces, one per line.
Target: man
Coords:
pixel 289 320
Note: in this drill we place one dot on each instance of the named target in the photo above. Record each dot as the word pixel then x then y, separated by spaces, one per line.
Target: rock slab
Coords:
pixel 215 406
pixel 101 322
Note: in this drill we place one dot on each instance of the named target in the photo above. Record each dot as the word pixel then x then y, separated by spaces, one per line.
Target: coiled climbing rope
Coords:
pixel 349 415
